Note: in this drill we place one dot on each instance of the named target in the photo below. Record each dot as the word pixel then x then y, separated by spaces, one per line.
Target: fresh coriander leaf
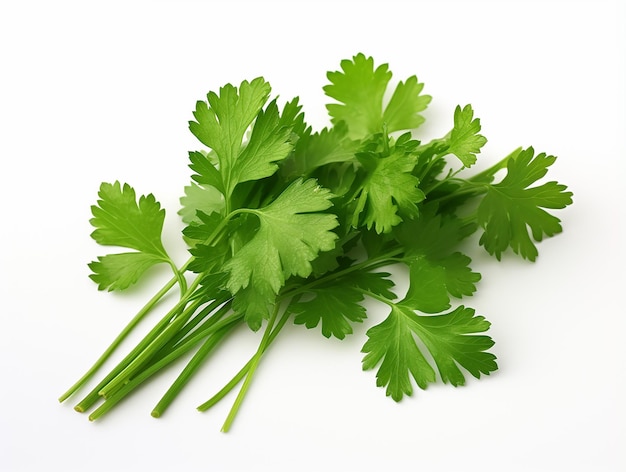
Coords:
pixel 360 89
pixel 452 341
pixel 205 166
pixel 338 303
pixel 269 142
pixel 120 271
pixel 221 124
pixel 450 338
pixel 434 280
pixel 254 301
pixel 436 269
pixel 335 306
pixel 389 189
pixel 292 231
pixel 512 209
pixel 319 149
pixel 464 141
pixel 122 220
pixel 204 198
pixel 391 344
pixel 402 111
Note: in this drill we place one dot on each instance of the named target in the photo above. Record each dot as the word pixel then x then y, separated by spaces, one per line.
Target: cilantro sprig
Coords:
pixel 284 223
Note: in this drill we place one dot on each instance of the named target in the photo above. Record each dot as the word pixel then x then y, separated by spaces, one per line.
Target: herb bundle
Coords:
pixel 287 224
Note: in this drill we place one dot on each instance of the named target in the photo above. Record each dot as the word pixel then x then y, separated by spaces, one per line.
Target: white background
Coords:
pixel 99 91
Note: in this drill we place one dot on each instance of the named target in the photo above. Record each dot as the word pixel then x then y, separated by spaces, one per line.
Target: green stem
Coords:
pixel 119 339
pixel 182 349
pixel 180 278
pixel 251 370
pixel 179 316
pixel 190 369
pixel 368 264
pixel 486 176
pixel 94 395
pixel 473 190
pixel 243 371
pixel 193 323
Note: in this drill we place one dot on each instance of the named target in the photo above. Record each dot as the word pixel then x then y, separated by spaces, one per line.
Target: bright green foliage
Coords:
pixel 391 344
pixel 360 89
pixel 389 188
pixel 338 303
pixel 120 271
pixel 285 223
pixel 464 140
pixel 450 338
pixel 222 124
pixel 511 209
pixel 121 220
pixel 206 199
pixel 318 149
pixel 291 233
pixel 336 306
pixel 437 270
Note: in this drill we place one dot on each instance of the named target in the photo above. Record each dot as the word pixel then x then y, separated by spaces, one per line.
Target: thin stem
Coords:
pixel 119 339
pixel 190 369
pixel 182 349
pixel 365 265
pixel 243 371
pixel 180 278
pixel 487 175
pixel 180 315
pixel 194 322
pixel 251 370
pixel 473 190
pixel 94 395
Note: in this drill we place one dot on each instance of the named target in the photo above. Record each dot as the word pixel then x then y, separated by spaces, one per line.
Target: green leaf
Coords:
pixel 464 141
pixel 337 304
pixel 336 307
pixel 512 211
pixel 206 199
pixel 121 220
pixel 391 344
pixel 389 189
pixel 291 233
pixel 360 88
pixel 402 111
pixel 120 271
pixel 221 124
pixel 269 142
pixel 318 149
pixel 254 303
pixel 451 340
pixel 436 270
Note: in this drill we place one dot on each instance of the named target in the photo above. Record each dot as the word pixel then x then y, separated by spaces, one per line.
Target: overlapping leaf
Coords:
pixel 221 124
pixel 292 231
pixel 389 190
pixel 512 211
pixel 452 340
pixel 338 304
pixel 360 88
